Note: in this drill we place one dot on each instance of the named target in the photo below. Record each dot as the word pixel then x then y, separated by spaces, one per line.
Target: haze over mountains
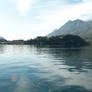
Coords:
pixel 76 27
pixel 2 39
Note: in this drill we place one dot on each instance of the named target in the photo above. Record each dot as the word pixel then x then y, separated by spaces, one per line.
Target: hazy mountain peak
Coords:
pixel 76 27
pixel 78 20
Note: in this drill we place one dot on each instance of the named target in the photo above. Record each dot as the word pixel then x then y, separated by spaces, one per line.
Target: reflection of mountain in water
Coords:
pixel 77 59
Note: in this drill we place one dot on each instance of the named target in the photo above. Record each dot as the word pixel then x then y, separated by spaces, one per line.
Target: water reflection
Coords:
pixel 79 58
pixel 25 68
pixel 2 49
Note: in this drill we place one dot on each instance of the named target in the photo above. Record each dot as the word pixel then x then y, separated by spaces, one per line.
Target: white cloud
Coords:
pixel 51 15
pixel 24 6
pixel 68 12
pixel 51 20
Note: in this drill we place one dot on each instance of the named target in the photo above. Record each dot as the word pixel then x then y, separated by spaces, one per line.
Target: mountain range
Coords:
pixel 76 27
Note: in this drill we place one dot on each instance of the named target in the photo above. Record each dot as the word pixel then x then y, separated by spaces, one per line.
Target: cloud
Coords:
pixel 51 19
pixel 67 12
pixel 50 15
pixel 24 6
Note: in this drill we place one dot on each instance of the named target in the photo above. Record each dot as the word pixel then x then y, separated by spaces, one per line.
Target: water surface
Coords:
pixel 25 68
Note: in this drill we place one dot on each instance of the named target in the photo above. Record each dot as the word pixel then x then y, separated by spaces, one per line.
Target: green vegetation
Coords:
pixel 64 41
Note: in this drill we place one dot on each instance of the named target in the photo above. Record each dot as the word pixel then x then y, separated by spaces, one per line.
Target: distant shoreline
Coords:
pixel 63 41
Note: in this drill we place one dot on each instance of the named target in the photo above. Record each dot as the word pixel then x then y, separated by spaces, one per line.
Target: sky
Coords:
pixel 25 19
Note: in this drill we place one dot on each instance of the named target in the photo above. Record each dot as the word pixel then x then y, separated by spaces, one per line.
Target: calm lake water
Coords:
pixel 25 68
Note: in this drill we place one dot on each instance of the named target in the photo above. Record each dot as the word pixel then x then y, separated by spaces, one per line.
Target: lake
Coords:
pixel 25 68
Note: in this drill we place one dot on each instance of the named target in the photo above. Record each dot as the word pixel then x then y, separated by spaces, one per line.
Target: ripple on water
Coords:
pixel 44 69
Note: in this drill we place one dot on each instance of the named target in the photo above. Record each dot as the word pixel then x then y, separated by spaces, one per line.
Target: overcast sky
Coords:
pixel 24 19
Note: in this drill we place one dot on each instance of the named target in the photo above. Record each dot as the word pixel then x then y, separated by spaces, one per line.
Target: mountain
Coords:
pixel 2 39
pixel 76 27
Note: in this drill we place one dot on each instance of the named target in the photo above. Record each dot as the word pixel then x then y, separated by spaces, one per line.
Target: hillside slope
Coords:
pixel 76 27
pixel 2 39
